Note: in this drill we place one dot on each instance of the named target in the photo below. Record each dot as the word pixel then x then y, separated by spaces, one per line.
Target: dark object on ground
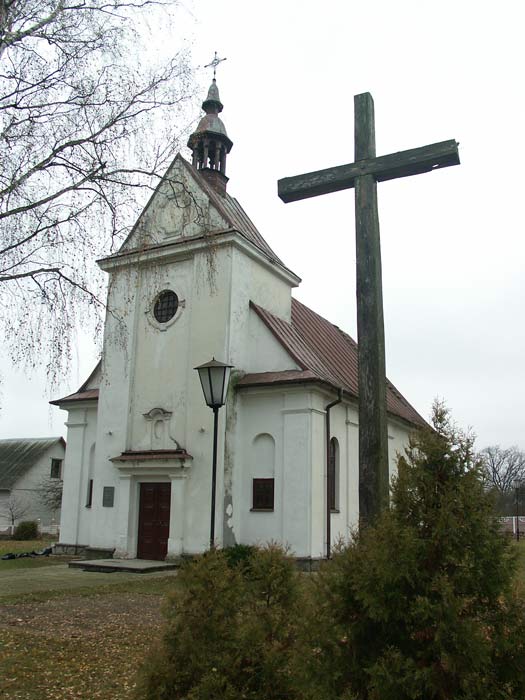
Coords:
pixel 22 555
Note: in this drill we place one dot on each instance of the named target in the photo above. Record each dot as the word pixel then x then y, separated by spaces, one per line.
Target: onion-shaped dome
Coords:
pixel 209 142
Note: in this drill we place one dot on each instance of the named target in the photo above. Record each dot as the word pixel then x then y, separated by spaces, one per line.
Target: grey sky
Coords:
pixel 452 241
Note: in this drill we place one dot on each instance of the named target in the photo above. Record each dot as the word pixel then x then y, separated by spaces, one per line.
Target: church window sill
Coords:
pixel 261 510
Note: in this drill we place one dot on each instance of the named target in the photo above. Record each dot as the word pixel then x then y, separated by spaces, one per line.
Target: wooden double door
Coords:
pixel 154 521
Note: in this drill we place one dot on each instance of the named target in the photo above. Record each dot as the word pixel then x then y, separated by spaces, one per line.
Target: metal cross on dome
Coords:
pixel 213 64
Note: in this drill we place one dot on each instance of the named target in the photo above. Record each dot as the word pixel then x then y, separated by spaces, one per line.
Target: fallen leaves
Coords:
pixel 76 647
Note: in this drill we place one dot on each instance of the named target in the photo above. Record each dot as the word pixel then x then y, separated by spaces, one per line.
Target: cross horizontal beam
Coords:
pixel 401 164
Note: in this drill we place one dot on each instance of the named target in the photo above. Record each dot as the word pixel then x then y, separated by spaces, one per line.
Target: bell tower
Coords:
pixel 210 144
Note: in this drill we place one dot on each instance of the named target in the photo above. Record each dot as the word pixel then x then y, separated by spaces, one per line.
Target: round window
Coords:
pixel 166 306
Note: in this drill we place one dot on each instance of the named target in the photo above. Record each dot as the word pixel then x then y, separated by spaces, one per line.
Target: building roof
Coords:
pixel 80 395
pixel 230 210
pixel 325 354
pixel 18 455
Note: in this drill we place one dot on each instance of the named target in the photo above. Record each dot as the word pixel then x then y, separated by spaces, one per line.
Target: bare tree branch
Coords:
pixel 50 493
pixel 503 467
pixel 15 509
pixel 86 132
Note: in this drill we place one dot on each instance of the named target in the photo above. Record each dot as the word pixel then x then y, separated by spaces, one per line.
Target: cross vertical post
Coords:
pixel 373 438
pixel 364 174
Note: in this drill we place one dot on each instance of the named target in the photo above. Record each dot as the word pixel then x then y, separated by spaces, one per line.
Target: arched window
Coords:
pixel 333 475
pixel 263 483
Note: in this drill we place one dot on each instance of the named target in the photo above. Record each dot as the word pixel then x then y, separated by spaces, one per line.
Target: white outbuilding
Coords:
pixel 31 473
pixel 195 280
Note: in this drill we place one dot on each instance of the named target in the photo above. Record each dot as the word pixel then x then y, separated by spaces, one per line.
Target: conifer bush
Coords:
pixel 231 630
pixel 422 605
pixel 26 530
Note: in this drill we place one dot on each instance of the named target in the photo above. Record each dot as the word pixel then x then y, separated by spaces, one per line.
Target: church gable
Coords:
pixel 94 379
pixel 179 208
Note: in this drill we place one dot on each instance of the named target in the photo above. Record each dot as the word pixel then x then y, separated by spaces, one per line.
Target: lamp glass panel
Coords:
pixel 204 376
pixel 219 384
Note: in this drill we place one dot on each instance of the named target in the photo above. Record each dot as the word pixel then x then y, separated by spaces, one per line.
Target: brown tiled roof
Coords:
pixel 325 354
pixel 89 394
pixel 230 209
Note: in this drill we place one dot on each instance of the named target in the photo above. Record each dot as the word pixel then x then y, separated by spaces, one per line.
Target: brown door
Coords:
pixel 154 521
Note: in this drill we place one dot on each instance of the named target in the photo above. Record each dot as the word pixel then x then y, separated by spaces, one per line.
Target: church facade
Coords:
pixel 196 279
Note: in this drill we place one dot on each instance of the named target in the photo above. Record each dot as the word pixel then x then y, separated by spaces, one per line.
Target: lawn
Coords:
pixel 89 642
pixel 18 546
pixel 24 545
pixel 86 644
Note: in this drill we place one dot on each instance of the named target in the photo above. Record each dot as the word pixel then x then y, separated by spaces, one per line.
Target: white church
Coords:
pixel 196 279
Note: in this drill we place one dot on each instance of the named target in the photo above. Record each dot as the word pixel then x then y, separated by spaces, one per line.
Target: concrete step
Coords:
pixel 136 566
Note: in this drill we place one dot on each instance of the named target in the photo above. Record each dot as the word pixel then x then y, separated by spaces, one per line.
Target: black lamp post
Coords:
pixel 214 378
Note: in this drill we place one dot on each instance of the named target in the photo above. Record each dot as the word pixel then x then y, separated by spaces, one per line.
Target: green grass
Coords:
pixel 18 546
pixel 15 546
pixel 143 584
pixel 32 563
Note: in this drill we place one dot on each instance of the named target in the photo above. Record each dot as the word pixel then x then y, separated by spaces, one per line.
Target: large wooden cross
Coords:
pixel 363 175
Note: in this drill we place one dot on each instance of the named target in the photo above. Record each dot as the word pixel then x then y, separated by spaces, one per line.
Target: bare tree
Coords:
pixel 14 509
pixel 503 467
pixel 87 127
pixel 50 493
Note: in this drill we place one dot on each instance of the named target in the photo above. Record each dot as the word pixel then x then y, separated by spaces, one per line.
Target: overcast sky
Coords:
pixel 452 241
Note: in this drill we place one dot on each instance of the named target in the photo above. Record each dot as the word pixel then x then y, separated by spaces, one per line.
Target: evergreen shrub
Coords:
pixel 239 555
pixel 231 629
pixel 423 605
pixel 26 530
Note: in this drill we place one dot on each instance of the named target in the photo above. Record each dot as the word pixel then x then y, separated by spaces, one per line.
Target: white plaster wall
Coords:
pixel 259 414
pixel 106 431
pixel 295 417
pixel 254 281
pixel 398 433
pixel 76 520
pixel 263 353
pixel 4 520
pixel 287 416
pixel 161 363
pixel 153 368
pixel 344 427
